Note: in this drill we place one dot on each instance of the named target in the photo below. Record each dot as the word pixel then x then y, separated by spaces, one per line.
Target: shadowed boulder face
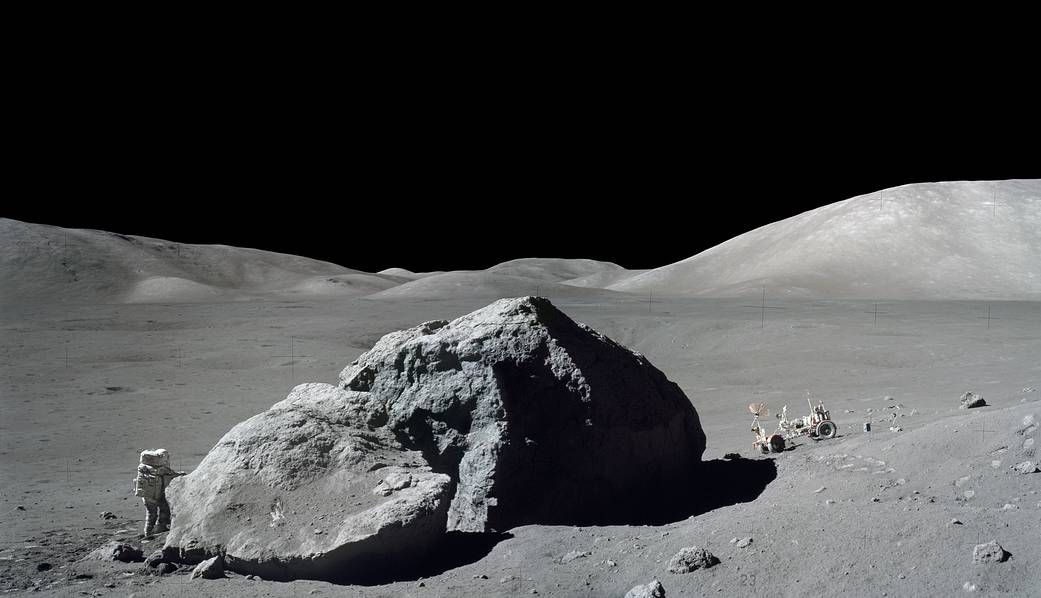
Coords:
pixel 512 414
pixel 536 417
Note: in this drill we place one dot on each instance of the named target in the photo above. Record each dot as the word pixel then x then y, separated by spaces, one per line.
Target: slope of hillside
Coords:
pixel 553 269
pixel 602 280
pixel 483 284
pixel 40 263
pixel 956 240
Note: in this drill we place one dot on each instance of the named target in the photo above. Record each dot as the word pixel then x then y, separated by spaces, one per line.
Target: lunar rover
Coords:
pixel 816 425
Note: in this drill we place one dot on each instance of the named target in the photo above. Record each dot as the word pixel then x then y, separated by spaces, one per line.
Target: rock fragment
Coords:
pixel 1025 467
pixel 971 400
pixel 574 554
pixel 743 542
pixel 116 551
pixel 654 589
pixel 212 568
pixel 690 559
pixel 991 552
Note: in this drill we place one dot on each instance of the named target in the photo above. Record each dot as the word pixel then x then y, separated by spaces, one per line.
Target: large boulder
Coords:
pixel 512 414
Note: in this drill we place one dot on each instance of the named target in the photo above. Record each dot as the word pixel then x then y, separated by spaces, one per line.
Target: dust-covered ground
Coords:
pixel 85 388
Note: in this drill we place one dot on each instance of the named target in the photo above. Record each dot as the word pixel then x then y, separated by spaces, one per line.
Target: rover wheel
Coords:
pixel 776 443
pixel 826 429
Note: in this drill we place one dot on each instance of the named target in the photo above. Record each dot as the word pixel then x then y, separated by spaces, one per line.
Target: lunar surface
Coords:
pixel 887 311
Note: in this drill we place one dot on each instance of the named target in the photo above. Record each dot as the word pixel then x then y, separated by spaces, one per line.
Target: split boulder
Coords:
pixel 510 415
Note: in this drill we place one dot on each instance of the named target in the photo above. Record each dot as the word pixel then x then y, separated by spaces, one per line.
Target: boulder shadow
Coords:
pixel 453 550
pixel 713 485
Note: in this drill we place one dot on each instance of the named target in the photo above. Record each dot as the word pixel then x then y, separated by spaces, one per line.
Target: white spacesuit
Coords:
pixel 153 475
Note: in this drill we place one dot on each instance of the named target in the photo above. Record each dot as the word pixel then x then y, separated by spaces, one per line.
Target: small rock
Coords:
pixel 574 554
pixel 690 559
pixel 829 502
pixel 1025 467
pixel 969 587
pixel 154 559
pixel 895 429
pixel 653 589
pixel 166 568
pixel 875 499
pixel 1028 420
pixel 480 576
pixel 969 494
pixel 107 515
pixel 744 542
pixel 955 521
pixel 533 591
pixel 1028 444
pixel 1009 507
pixel 991 552
pixel 971 400
pixel 212 568
pixel 116 551
pixel 44 567
pixel 110 585
pixel 20 507
pixel 610 563
pixel 397 480
pixel 889 399
pixel 252 578
pixel 508 579
pixel 819 490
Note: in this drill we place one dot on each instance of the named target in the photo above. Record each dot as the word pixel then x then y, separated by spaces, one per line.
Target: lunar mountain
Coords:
pixel 952 240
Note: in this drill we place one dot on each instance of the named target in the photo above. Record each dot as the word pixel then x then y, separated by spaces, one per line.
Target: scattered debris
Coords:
pixel 1025 467
pixel 971 400
pixel 653 589
pixel 690 559
pixel 116 551
pixel 991 552
pixel 574 554
pixel 212 568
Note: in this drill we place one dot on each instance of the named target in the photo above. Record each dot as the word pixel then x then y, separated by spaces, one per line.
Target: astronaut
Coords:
pixel 153 475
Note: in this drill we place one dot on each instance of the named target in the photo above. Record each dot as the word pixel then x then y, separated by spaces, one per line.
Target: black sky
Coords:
pixel 455 159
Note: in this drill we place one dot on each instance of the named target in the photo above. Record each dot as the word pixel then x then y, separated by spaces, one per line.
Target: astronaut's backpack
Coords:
pixel 147 485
